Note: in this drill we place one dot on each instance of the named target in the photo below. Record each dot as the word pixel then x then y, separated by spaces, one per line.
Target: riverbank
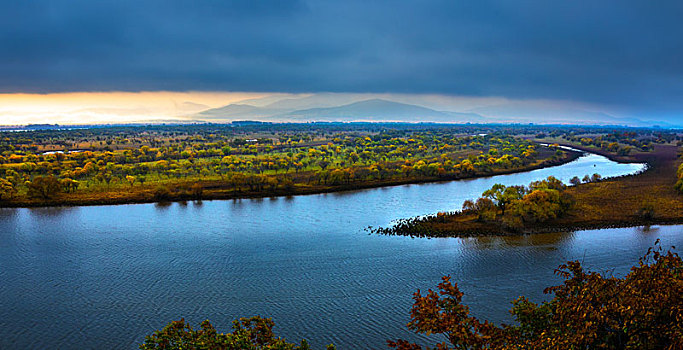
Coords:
pixel 219 190
pixel 648 198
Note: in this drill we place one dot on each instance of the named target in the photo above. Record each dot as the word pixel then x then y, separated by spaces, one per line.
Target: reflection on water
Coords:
pixel 7 214
pixel 52 211
pixel 103 277
pixel 648 229
pixel 163 205
pixel 537 240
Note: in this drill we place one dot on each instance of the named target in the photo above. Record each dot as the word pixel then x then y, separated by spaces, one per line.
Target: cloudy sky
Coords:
pixel 625 56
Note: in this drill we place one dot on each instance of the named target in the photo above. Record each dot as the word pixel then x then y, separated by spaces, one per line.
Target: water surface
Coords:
pixel 103 277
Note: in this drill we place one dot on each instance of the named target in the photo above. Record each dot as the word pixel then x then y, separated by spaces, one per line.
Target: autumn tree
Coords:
pixel 589 310
pixel 502 195
pixel 7 189
pixel 131 179
pixel 44 187
pixel 485 208
pixel 538 206
pixel 575 180
pixel 69 185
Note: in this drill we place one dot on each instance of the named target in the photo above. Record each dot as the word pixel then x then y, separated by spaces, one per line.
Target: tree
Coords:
pixel 551 182
pixel 503 196
pixel 69 185
pixel 197 191
pixel 252 333
pixel 131 180
pixel 162 193
pixel 486 209
pixel 575 180
pixel 44 187
pixel 468 206
pixel 538 206
pixel 641 310
pixel 324 163
pixel 495 193
pixel 7 189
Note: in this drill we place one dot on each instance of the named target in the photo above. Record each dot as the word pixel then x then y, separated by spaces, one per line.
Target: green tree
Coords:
pixel 254 333
pixel 495 193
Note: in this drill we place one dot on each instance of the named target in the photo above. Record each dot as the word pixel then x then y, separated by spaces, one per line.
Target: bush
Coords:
pixel 646 211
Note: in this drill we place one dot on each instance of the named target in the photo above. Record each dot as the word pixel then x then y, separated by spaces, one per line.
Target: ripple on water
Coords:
pixel 103 277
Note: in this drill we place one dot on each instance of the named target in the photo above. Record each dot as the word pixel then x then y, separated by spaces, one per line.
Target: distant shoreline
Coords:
pixel 146 196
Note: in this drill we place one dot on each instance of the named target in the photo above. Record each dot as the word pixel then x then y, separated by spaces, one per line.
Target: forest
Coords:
pixel 181 162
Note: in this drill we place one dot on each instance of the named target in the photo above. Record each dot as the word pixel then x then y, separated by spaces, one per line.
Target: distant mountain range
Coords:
pixel 559 114
pixel 366 110
pixel 330 107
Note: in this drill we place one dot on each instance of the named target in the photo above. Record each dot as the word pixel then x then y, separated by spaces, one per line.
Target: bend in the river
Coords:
pixel 105 276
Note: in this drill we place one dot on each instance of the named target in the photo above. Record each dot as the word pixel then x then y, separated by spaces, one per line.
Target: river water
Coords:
pixel 103 277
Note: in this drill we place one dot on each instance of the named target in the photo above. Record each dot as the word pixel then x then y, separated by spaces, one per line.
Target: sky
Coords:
pixel 625 56
pixel 110 107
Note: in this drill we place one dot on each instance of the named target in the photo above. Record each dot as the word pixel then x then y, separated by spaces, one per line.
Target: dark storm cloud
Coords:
pixel 618 52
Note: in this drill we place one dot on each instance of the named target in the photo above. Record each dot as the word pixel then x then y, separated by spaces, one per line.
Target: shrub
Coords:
pixel 646 211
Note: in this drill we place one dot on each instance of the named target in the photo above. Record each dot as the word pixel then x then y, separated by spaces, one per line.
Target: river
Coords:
pixel 103 277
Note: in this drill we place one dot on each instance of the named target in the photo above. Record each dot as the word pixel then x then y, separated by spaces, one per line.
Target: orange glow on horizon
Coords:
pixel 110 107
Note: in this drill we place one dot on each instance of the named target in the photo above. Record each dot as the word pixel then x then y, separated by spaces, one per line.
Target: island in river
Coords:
pixel 642 199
